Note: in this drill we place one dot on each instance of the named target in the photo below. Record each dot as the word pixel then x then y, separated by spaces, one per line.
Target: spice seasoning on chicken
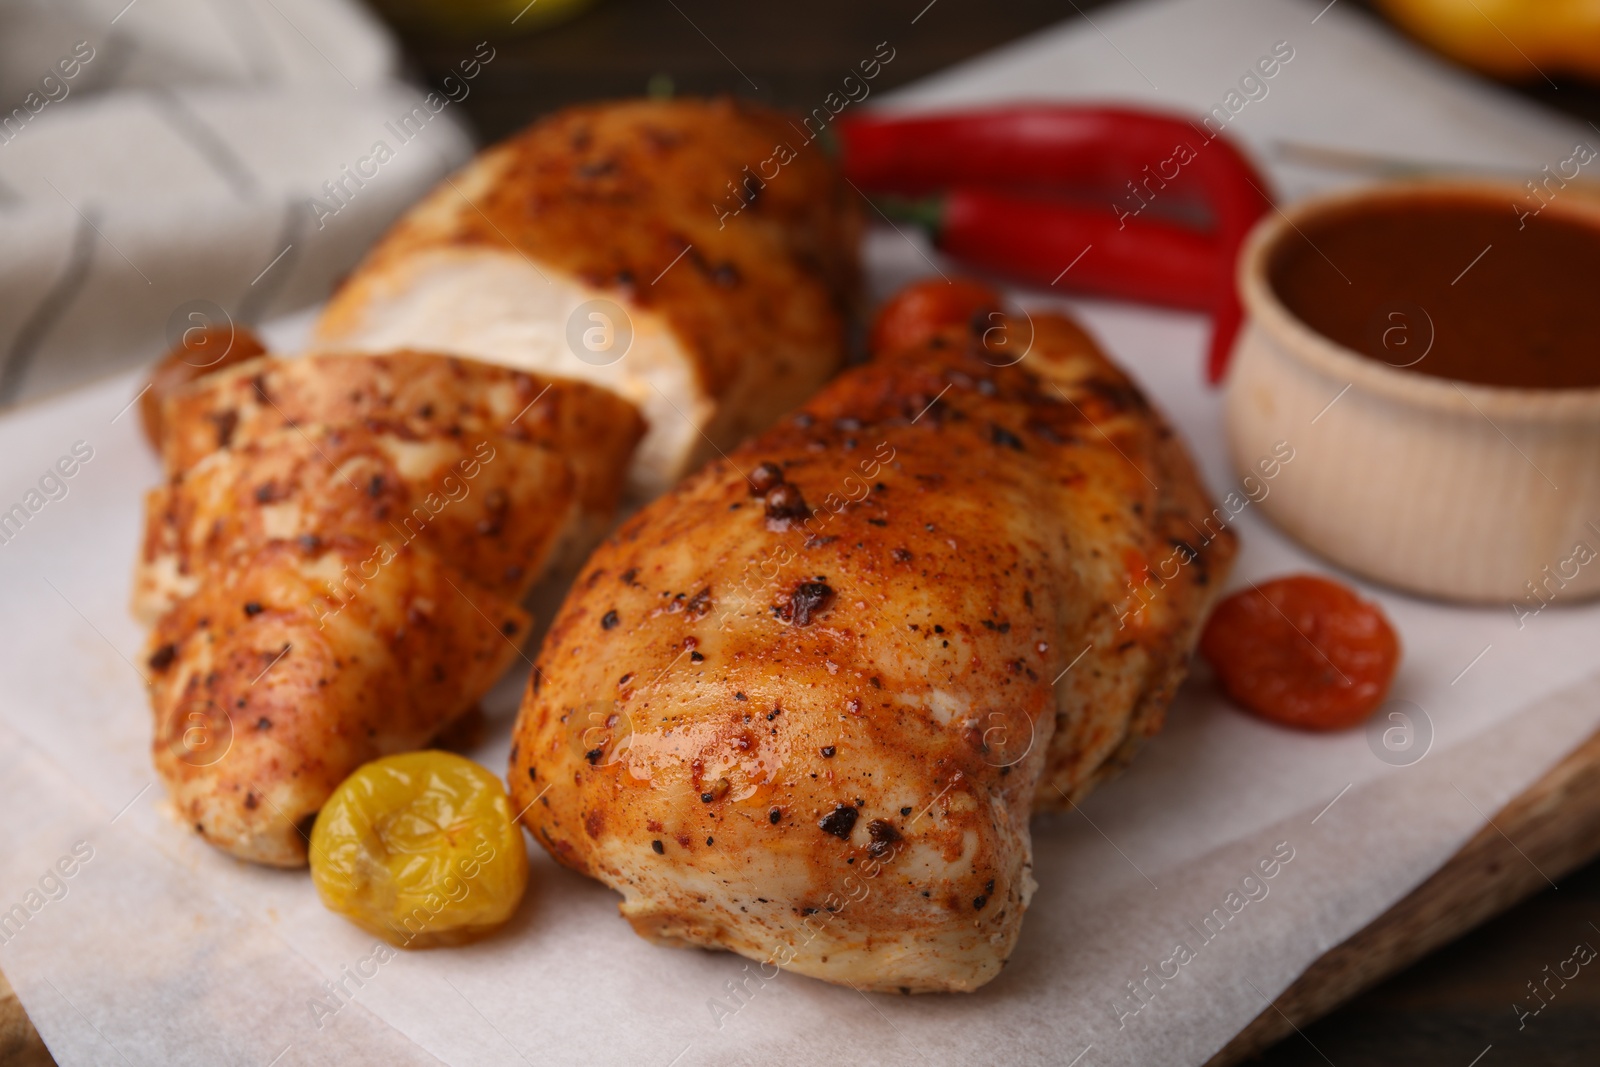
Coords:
pixel 807 600
pixel 884 837
pixel 839 822
pixel 765 478
pixel 785 507
pixel 1002 436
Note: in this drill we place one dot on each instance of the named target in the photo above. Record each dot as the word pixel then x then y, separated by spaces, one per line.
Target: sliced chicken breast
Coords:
pixel 602 244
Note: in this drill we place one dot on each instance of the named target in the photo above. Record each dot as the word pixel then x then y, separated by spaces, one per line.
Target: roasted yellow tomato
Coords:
pixel 420 849
pixel 1512 39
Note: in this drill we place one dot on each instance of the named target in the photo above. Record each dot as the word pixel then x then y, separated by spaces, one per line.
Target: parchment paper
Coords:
pixel 157 949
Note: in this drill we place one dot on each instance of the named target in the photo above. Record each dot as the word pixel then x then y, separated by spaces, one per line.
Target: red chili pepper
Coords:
pixel 1085 248
pixel 1058 147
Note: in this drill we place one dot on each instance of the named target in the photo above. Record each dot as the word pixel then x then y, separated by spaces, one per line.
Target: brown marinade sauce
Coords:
pixel 1378 278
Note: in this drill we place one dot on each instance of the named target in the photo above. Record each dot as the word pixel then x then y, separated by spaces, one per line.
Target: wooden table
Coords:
pixel 1447 1009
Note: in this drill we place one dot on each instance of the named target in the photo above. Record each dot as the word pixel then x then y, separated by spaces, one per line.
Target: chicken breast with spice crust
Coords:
pixel 802 707
pixel 598 244
pixel 334 566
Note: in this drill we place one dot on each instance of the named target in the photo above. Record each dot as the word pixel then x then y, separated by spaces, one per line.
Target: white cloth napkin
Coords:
pixel 162 159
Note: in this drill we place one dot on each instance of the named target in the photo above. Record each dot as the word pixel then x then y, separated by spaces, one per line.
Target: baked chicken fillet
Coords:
pixel 334 567
pixel 682 254
pixel 802 707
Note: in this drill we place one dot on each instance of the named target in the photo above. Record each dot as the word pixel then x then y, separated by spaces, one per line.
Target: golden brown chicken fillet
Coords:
pixel 334 567
pixel 802 707
pixel 599 244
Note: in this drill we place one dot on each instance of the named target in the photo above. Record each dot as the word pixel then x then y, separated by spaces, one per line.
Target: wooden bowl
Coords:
pixel 1455 490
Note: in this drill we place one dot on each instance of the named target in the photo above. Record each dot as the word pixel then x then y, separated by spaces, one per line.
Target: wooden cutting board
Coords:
pixel 1553 827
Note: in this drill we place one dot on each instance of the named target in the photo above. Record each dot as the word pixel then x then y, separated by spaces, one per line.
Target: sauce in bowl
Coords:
pixel 1452 285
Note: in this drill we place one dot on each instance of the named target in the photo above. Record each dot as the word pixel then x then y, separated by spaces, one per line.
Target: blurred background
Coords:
pixel 789 56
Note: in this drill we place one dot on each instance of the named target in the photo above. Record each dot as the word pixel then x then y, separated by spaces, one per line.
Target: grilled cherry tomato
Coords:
pixel 200 350
pixel 1302 651
pixel 923 308
pixel 421 850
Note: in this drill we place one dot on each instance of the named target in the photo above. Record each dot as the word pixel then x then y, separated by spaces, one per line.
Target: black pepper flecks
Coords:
pixel 774 815
pixel 765 478
pixel 162 657
pixel 253 608
pixel 226 422
pixel 839 822
pixel 828 751
pixel 884 838
pixel 1004 437
pixel 609 620
pixel 659 847
pixel 808 600
pixel 785 507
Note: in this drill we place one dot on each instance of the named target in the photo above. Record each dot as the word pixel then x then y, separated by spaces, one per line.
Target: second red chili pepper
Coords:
pixel 996 163
pixel 1082 248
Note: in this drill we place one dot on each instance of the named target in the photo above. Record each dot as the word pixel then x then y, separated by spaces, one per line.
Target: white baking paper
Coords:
pixel 158 949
